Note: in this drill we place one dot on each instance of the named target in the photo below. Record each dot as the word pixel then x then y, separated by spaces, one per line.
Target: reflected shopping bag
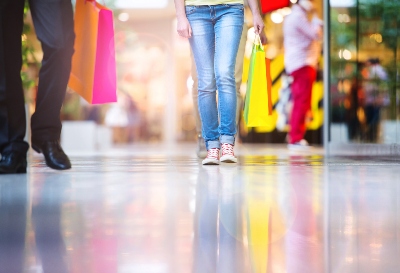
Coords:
pixel 93 73
pixel 258 103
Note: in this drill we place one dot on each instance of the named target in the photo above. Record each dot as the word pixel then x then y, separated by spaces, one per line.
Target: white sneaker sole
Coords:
pixel 228 159
pixel 294 147
pixel 210 161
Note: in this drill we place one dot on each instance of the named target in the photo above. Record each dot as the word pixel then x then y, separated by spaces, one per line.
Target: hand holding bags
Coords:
pixel 258 104
pixel 93 73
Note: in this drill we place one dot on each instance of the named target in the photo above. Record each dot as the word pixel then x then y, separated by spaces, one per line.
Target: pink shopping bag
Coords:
pixel 93 73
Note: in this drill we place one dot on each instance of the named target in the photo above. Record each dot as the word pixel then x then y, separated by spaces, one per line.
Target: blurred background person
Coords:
pixel 353 102
pixel 302 42
pixel 117 118
pixel 375 77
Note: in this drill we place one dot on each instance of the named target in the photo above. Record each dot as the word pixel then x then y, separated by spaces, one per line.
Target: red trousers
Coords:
pixel 303 80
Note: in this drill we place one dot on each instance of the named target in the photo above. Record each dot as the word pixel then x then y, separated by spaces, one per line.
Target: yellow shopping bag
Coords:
pixel 258 103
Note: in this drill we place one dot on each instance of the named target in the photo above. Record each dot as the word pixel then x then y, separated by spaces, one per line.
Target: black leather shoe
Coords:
pixel 12 163
pixel 53 154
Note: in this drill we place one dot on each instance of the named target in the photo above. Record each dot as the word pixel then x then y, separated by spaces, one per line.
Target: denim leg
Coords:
pixel 202 43
pixel 195 94
pixel 228 31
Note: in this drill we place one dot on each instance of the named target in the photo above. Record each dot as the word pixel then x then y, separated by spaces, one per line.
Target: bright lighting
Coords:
pixel 251 35
pixel 141 4
pixel 342 3
pixel 346 54
pixel 293 1
pixel 189 83
pixel 276 17
pixel 377 37
pixel 344 18
pixel 285 11
pixel 123 17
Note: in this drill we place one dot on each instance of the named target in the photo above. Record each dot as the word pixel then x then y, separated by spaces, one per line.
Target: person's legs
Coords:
pixel 12 104
pixel 201 150
pixel 54 27
pixel 239 72
pixel 375 124
pixel 13 148
pixel 238 80
pixel 203 46
pixel 303 80
pixel 195 93
pixel 228 31
pixel 372 114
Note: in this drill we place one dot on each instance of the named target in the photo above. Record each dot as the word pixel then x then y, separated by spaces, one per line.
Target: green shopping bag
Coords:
pixel 258 102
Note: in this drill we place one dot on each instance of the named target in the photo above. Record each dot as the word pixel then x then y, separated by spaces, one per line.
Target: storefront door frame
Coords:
pixel 332 149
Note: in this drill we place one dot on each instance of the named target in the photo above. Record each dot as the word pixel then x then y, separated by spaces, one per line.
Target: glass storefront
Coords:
pixel 363 75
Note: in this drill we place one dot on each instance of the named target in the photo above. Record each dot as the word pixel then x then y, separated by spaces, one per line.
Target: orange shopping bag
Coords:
pixel 93 73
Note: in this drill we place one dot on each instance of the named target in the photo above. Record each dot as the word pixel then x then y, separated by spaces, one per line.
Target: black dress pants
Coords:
pixel 53 21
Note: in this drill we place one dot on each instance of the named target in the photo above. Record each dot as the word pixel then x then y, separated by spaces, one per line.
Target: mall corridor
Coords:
pixel 150 210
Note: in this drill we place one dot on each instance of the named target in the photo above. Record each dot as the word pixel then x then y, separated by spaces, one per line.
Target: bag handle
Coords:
pixel 257 39
pixel 94 2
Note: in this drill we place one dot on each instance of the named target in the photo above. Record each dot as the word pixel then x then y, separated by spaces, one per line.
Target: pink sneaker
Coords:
pixel 227 154
pixel 212 157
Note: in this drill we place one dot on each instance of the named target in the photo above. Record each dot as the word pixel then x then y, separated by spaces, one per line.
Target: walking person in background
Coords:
pixel 376 96
pixel 214 29
pixel 302 42
pixel 54 26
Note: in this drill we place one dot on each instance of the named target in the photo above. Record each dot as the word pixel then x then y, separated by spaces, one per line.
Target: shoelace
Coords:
pixel 213 153
pixel 227 149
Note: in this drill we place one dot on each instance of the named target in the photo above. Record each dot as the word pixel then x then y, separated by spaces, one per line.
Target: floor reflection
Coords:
pixel 268 214
pixel 304 251
pixel 218 233
pixel 13 218
pixel 47 200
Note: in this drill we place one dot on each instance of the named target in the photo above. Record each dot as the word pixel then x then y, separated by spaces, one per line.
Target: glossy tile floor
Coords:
pixel 157 210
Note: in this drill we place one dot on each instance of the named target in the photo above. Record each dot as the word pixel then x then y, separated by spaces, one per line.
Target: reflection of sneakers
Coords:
pixel 227 155
pixel 230 181
pixel 212 157
pixel 299 145
pixel 201 149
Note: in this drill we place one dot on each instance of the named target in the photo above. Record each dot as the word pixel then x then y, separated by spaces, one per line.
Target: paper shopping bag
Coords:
pixel 258 103
pixel 93 73
pixel 268 5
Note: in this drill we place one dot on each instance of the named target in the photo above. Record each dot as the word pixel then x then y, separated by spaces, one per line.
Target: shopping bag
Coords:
pixel 268 5
pixel 93 73
pixel 258 102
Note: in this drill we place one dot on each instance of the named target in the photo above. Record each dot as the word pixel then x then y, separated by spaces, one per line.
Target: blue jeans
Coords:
pixel 216 32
